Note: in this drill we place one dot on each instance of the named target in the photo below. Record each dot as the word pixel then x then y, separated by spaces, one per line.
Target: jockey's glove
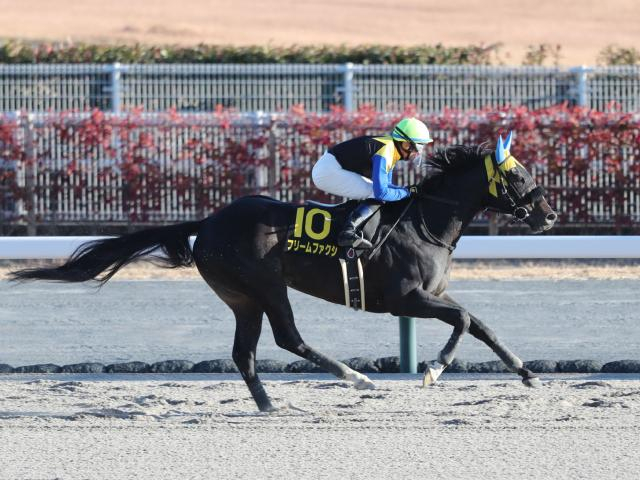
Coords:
pixel 414 190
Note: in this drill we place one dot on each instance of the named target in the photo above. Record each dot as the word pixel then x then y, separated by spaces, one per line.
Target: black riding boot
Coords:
pixel 351 236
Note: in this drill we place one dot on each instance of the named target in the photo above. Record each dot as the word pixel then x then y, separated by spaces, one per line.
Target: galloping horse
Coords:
pixel 241 252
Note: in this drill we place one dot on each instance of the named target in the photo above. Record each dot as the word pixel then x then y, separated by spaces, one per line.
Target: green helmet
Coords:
pixel 411 130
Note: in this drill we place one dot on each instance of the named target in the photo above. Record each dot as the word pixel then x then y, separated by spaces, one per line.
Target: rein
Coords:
pixel 430 236
pixel 381 242
pixel 444 200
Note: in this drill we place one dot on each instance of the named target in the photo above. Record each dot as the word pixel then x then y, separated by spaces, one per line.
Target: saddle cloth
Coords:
pixel 314 231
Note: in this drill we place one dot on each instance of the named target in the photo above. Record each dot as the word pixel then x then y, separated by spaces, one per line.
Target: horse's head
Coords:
pixel 512 189
pixel 487 179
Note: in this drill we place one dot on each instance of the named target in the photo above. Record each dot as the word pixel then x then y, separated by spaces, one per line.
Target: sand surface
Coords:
pixel 582 27
pixel 459 429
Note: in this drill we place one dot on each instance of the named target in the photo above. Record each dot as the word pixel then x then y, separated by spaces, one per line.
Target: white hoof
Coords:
pixel 360 381
pixel 533 382
pixel 434 370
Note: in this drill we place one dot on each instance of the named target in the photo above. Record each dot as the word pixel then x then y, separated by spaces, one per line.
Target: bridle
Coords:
pixel 496 177
pixel 517 202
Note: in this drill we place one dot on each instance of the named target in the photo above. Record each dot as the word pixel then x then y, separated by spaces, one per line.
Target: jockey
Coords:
pixel 362 168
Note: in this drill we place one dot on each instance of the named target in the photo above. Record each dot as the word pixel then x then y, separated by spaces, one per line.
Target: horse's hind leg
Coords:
pixel 286 335
pixel 248 326
pixel 479 330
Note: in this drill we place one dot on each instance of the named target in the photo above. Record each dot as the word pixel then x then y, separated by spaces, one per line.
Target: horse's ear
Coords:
pixel 507 142
pixel 500 156
pixel 502 147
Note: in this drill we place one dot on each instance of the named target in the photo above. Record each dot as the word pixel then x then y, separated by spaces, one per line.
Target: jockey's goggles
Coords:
pixel 418 147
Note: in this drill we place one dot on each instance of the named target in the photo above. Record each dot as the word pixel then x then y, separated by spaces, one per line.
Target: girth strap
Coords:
pixel 353 283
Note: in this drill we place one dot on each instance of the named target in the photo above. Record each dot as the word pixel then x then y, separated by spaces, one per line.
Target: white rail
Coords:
pixel 532 246
pixel 469 247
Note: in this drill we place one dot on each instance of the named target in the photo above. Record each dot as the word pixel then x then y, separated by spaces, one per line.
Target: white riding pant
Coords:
pixel 329 176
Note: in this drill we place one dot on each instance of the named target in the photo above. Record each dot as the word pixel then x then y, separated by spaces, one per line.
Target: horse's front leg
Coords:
pixel 479 330
pixel 420 303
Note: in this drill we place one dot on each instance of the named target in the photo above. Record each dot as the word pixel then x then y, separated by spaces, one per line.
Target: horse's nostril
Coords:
pixel 551 217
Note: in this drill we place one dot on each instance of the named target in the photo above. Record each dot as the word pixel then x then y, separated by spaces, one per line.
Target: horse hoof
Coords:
pixel 360 382
pixel 433 372
pixel 268 409
pixel 532 382
pixel 365 385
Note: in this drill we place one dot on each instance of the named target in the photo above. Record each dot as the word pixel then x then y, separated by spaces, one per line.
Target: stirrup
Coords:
pixel 353 239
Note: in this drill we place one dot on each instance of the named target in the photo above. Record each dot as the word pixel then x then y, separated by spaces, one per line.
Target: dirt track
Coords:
pixel 581 27
pixel 585 429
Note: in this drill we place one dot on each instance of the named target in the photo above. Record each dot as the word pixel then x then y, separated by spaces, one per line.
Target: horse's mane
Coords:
pixel 451 159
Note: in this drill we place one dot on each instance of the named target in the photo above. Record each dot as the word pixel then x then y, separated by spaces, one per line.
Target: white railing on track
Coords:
pixel 471 247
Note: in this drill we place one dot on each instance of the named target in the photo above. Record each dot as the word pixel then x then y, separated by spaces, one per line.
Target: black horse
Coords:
pixel 240 251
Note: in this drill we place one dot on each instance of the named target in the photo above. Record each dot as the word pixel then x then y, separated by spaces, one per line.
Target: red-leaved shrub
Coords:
pixel 138 167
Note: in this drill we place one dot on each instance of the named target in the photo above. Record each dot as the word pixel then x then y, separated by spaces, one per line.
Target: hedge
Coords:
pixel 23 52
pixel 194 164
pixel 17 51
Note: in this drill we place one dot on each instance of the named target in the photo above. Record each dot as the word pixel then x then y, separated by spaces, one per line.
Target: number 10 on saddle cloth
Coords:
pixel 312 233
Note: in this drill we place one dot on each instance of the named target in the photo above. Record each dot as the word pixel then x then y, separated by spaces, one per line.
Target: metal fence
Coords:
pixel 278 87
pixel 158 170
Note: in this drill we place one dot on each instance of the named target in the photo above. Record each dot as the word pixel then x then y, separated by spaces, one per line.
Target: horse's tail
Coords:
pixel 108 256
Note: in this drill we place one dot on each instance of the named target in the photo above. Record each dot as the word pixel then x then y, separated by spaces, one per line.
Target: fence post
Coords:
pixel 347 87
pixel 115 72
pixel 493 224
pixel 29 172
pixel 274 164
pixel 582 92
pixel 408 355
